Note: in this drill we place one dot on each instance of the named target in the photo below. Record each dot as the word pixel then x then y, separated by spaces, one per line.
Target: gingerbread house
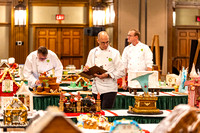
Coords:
pixel 183 119
pixel 71 77
pixel 171 79
pixel 15 113
pixel 81 81
pixel 53 121
pixel 8 87
pixel 77 104
pixel 26 96
pixel 193 92
pixel 3 65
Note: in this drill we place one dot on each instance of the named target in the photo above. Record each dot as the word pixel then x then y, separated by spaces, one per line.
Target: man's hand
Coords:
pixel 86 68
pixel 102 76
pixel 37 82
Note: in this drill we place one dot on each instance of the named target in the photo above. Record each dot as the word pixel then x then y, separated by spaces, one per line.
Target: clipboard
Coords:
pixel 90 74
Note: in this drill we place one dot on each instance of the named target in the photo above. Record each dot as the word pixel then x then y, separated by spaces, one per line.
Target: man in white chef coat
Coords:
pixel 109 58
pixel 136 56
pixel 40 61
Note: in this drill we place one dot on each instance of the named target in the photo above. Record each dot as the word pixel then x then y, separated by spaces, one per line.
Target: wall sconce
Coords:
pixel 174 17
pixel 20 14
pixel 99 14
pixel 110 14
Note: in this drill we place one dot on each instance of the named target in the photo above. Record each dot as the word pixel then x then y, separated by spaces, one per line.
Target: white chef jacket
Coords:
pixel 33 67
pixel 137 58
pixel 111 61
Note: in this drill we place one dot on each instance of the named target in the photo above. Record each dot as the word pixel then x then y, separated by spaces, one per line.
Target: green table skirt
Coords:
pixel 122 102
pixel 139 119
pixel 163 103
pixel 42 102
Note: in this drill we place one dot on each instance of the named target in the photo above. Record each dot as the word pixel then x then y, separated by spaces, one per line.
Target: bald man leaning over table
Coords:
pixel 109 58
pixel 40 61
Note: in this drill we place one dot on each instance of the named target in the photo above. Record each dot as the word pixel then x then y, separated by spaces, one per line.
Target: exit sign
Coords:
pixel 60 16
pixel 198 18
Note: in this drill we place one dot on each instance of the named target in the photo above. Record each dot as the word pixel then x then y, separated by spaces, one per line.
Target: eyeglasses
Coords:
pixel 130 35
pixel 42 58
pixel 105 42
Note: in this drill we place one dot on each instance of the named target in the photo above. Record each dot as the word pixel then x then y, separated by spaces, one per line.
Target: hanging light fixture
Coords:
pixel 99 13
pixel 174 17
pixel 110 14
pixel 20 14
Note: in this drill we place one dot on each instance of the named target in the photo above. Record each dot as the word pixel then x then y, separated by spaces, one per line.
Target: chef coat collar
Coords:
pixel 131 45
pixel 98 48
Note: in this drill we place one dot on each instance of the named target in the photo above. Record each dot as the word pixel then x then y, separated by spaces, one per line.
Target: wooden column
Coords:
pixel 19 33
pixel 169 35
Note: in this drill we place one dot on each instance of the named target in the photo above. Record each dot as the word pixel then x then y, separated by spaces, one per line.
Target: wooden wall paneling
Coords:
pixel 65 44
pixel 72 46
pixel 57 2
pixel 47 37
pixel 52 40
pixel 184 37
pixel 26 52
pixel 59 40
pixel 182 47
pixel 52 44
pixel 77 42
pixel 19 33
pixel 11 46
pixel 42 41
pixel 77 62
pixel 170 37
pixel 65 61
pixel 86 48
pixel 115 28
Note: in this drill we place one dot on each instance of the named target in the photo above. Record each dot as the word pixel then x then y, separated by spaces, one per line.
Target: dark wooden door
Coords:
pixel 72 47
pixel 183 45
pixel 67 43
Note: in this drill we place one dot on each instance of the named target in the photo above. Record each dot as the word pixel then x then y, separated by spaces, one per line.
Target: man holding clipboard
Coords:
pixel 107 58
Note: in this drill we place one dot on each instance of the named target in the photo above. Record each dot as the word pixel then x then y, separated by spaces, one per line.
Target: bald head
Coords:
pixel 103 40
pixel 102 34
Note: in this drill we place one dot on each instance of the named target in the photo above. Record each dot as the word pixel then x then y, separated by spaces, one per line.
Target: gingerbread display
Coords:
pixel 182 119
pixel 77 104
pixel 93 121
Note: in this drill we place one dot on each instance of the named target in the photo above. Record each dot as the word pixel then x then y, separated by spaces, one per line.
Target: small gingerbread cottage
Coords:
pixel 8 86
pixel 171 79
pixel 81 80
pixel 26 96
pixel 53 121
pixel 15 113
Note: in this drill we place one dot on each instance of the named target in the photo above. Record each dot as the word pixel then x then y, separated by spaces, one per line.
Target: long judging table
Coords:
pixel 142 119
pixel 166 100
